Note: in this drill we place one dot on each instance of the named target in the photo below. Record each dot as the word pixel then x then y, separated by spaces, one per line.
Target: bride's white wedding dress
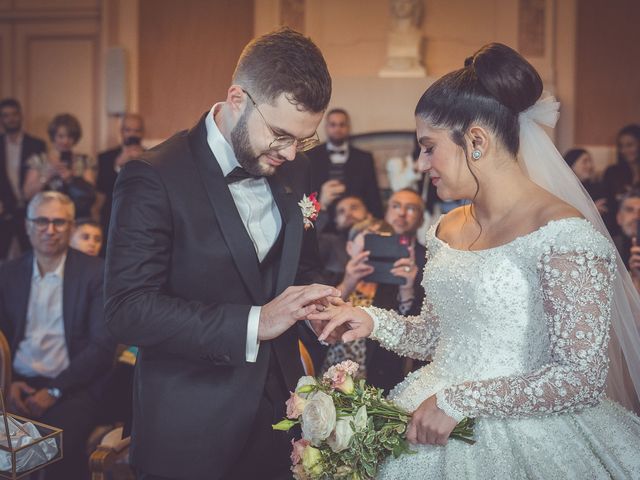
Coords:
pixel 518 335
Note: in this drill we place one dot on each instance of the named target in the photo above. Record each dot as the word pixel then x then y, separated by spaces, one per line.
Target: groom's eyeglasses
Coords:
pixel 280 142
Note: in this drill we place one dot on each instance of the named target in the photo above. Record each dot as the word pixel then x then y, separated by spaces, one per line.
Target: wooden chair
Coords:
pixel 110 460
pixel 5 365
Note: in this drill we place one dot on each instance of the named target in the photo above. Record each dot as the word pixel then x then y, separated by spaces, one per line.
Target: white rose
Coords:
pixel 318 418
pixel 341 436
pixel 303 382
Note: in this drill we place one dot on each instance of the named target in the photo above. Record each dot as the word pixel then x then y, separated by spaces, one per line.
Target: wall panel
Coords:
pixel 57 71
pixel 187 54
pixel 607 69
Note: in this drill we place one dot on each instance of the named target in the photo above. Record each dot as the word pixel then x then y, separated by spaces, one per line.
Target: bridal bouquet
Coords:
pixel 348 428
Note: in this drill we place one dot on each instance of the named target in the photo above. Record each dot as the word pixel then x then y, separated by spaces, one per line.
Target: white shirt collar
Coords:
pixel 218 144
pixel 332 148
pixel 58 272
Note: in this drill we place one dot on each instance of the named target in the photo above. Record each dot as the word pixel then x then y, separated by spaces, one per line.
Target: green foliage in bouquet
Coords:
pixel 348 427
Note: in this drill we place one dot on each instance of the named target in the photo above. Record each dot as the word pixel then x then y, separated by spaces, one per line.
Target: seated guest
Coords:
pixel 349 210
pixel 51 312
pixel 87 237
pixel 581 163
pixel 111 161
pixel 16 146
pixel 62 169
pixel 624 174
pixel 338 168
pixel 628 218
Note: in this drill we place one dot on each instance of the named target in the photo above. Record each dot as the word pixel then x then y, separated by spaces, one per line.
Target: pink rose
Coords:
pixel 341 376
pixel 297 450
pixel 295 406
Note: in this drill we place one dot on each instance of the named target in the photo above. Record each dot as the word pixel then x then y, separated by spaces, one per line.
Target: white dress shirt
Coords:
pixel 338 154
pixel 14 156
pixel 43 351
pixel 258 211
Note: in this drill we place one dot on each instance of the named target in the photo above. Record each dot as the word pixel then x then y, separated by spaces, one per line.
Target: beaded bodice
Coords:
pixel 516 330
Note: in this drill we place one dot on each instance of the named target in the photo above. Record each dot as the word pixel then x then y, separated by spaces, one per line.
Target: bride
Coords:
pixel 521 286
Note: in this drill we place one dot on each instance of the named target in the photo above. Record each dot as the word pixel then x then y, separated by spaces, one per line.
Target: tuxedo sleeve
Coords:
pixel 140 310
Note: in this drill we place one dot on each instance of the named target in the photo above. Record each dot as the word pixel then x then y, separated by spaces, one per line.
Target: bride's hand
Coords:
pixel 429 424
pixel 340 316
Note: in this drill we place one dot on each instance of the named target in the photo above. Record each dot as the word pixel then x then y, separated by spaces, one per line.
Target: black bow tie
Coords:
pixel 337 152
pixel 238 174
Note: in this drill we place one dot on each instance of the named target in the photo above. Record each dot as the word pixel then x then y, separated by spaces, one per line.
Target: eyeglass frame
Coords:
pixel 51 221
pixel 302 144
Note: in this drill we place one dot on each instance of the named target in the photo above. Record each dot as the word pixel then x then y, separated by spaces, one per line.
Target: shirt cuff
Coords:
pixel 253 344
pixel 308 323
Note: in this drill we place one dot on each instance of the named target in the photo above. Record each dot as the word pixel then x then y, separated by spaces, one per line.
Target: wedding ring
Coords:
pixel 407 269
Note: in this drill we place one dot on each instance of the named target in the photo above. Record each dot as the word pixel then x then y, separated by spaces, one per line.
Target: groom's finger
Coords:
pixel 303 312
pixel 314 292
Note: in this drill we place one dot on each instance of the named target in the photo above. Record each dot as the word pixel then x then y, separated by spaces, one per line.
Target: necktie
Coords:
pixel 238 174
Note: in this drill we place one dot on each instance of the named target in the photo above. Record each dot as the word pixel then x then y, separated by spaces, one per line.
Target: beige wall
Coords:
pixel 50 61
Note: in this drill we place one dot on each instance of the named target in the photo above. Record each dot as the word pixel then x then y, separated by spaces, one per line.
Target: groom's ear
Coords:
pixel 237 100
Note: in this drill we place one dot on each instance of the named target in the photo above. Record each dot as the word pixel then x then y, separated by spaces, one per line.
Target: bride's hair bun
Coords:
pixel 507 76
pixel 495 85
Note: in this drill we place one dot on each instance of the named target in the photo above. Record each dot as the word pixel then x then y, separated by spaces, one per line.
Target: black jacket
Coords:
pixel 182 275
pixel 30 146
pixel 89 344
pixel 359 173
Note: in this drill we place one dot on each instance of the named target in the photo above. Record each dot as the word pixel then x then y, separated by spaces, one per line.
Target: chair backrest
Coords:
pixel 5 364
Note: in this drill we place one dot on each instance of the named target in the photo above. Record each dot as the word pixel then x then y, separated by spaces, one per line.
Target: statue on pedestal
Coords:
pixel 404 41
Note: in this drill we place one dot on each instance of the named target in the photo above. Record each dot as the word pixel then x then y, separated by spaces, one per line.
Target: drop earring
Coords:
pixel 476 154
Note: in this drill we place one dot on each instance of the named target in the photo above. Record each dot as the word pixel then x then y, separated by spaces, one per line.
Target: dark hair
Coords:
pixel 633 192
pixel 573 155
pixel 10 102
pixel 495 85
pixel 633 130
pixel 80 222
pixel 68 121
pixel 341 111
pixel 285 61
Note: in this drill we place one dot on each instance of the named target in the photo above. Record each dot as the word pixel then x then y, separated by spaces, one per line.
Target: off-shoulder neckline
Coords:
pixel 535 232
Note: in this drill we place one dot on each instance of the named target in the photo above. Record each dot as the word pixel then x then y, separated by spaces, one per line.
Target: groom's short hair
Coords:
pixel 285 61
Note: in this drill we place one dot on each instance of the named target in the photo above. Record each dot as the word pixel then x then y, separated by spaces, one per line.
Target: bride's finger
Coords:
pixel 334 323
pixel 355 334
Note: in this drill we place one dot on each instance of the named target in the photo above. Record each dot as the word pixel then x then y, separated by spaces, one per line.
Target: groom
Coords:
pixel 205 242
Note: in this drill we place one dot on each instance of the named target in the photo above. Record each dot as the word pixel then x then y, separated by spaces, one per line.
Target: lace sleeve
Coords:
pixel 577 291
pixel 413 337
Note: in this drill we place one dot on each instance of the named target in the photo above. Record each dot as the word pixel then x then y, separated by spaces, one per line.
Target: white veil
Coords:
pixel 546 167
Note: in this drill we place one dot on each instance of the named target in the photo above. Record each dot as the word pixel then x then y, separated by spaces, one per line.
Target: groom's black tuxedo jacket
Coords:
pixel 181 276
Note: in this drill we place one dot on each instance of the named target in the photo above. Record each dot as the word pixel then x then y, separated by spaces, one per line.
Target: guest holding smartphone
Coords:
pixel 61 169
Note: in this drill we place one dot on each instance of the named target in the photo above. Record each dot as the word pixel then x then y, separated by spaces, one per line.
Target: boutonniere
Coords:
pixel 310 208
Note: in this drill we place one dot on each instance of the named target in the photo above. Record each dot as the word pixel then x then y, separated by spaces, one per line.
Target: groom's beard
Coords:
pixel 241 144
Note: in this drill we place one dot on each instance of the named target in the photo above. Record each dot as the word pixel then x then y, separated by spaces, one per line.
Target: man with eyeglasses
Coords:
pixel 207 238
pixel 51 312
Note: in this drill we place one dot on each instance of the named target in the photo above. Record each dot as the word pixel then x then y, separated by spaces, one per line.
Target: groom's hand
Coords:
pixel 294 304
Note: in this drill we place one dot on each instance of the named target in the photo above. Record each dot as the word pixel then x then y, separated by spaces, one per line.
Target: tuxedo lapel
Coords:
pixel 69 293
pixel 22 292
pixel 233 230
pixel 292 223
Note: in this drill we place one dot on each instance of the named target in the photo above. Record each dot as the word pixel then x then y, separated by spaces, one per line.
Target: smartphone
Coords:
pixel 384 251
pixel 66 157
pixel 133 140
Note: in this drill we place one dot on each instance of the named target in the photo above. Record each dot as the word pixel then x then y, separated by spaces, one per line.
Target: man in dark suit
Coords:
pixel 111 161
pixel 338 168
pixel 16 147
pixel 206 239
pixel 51 311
